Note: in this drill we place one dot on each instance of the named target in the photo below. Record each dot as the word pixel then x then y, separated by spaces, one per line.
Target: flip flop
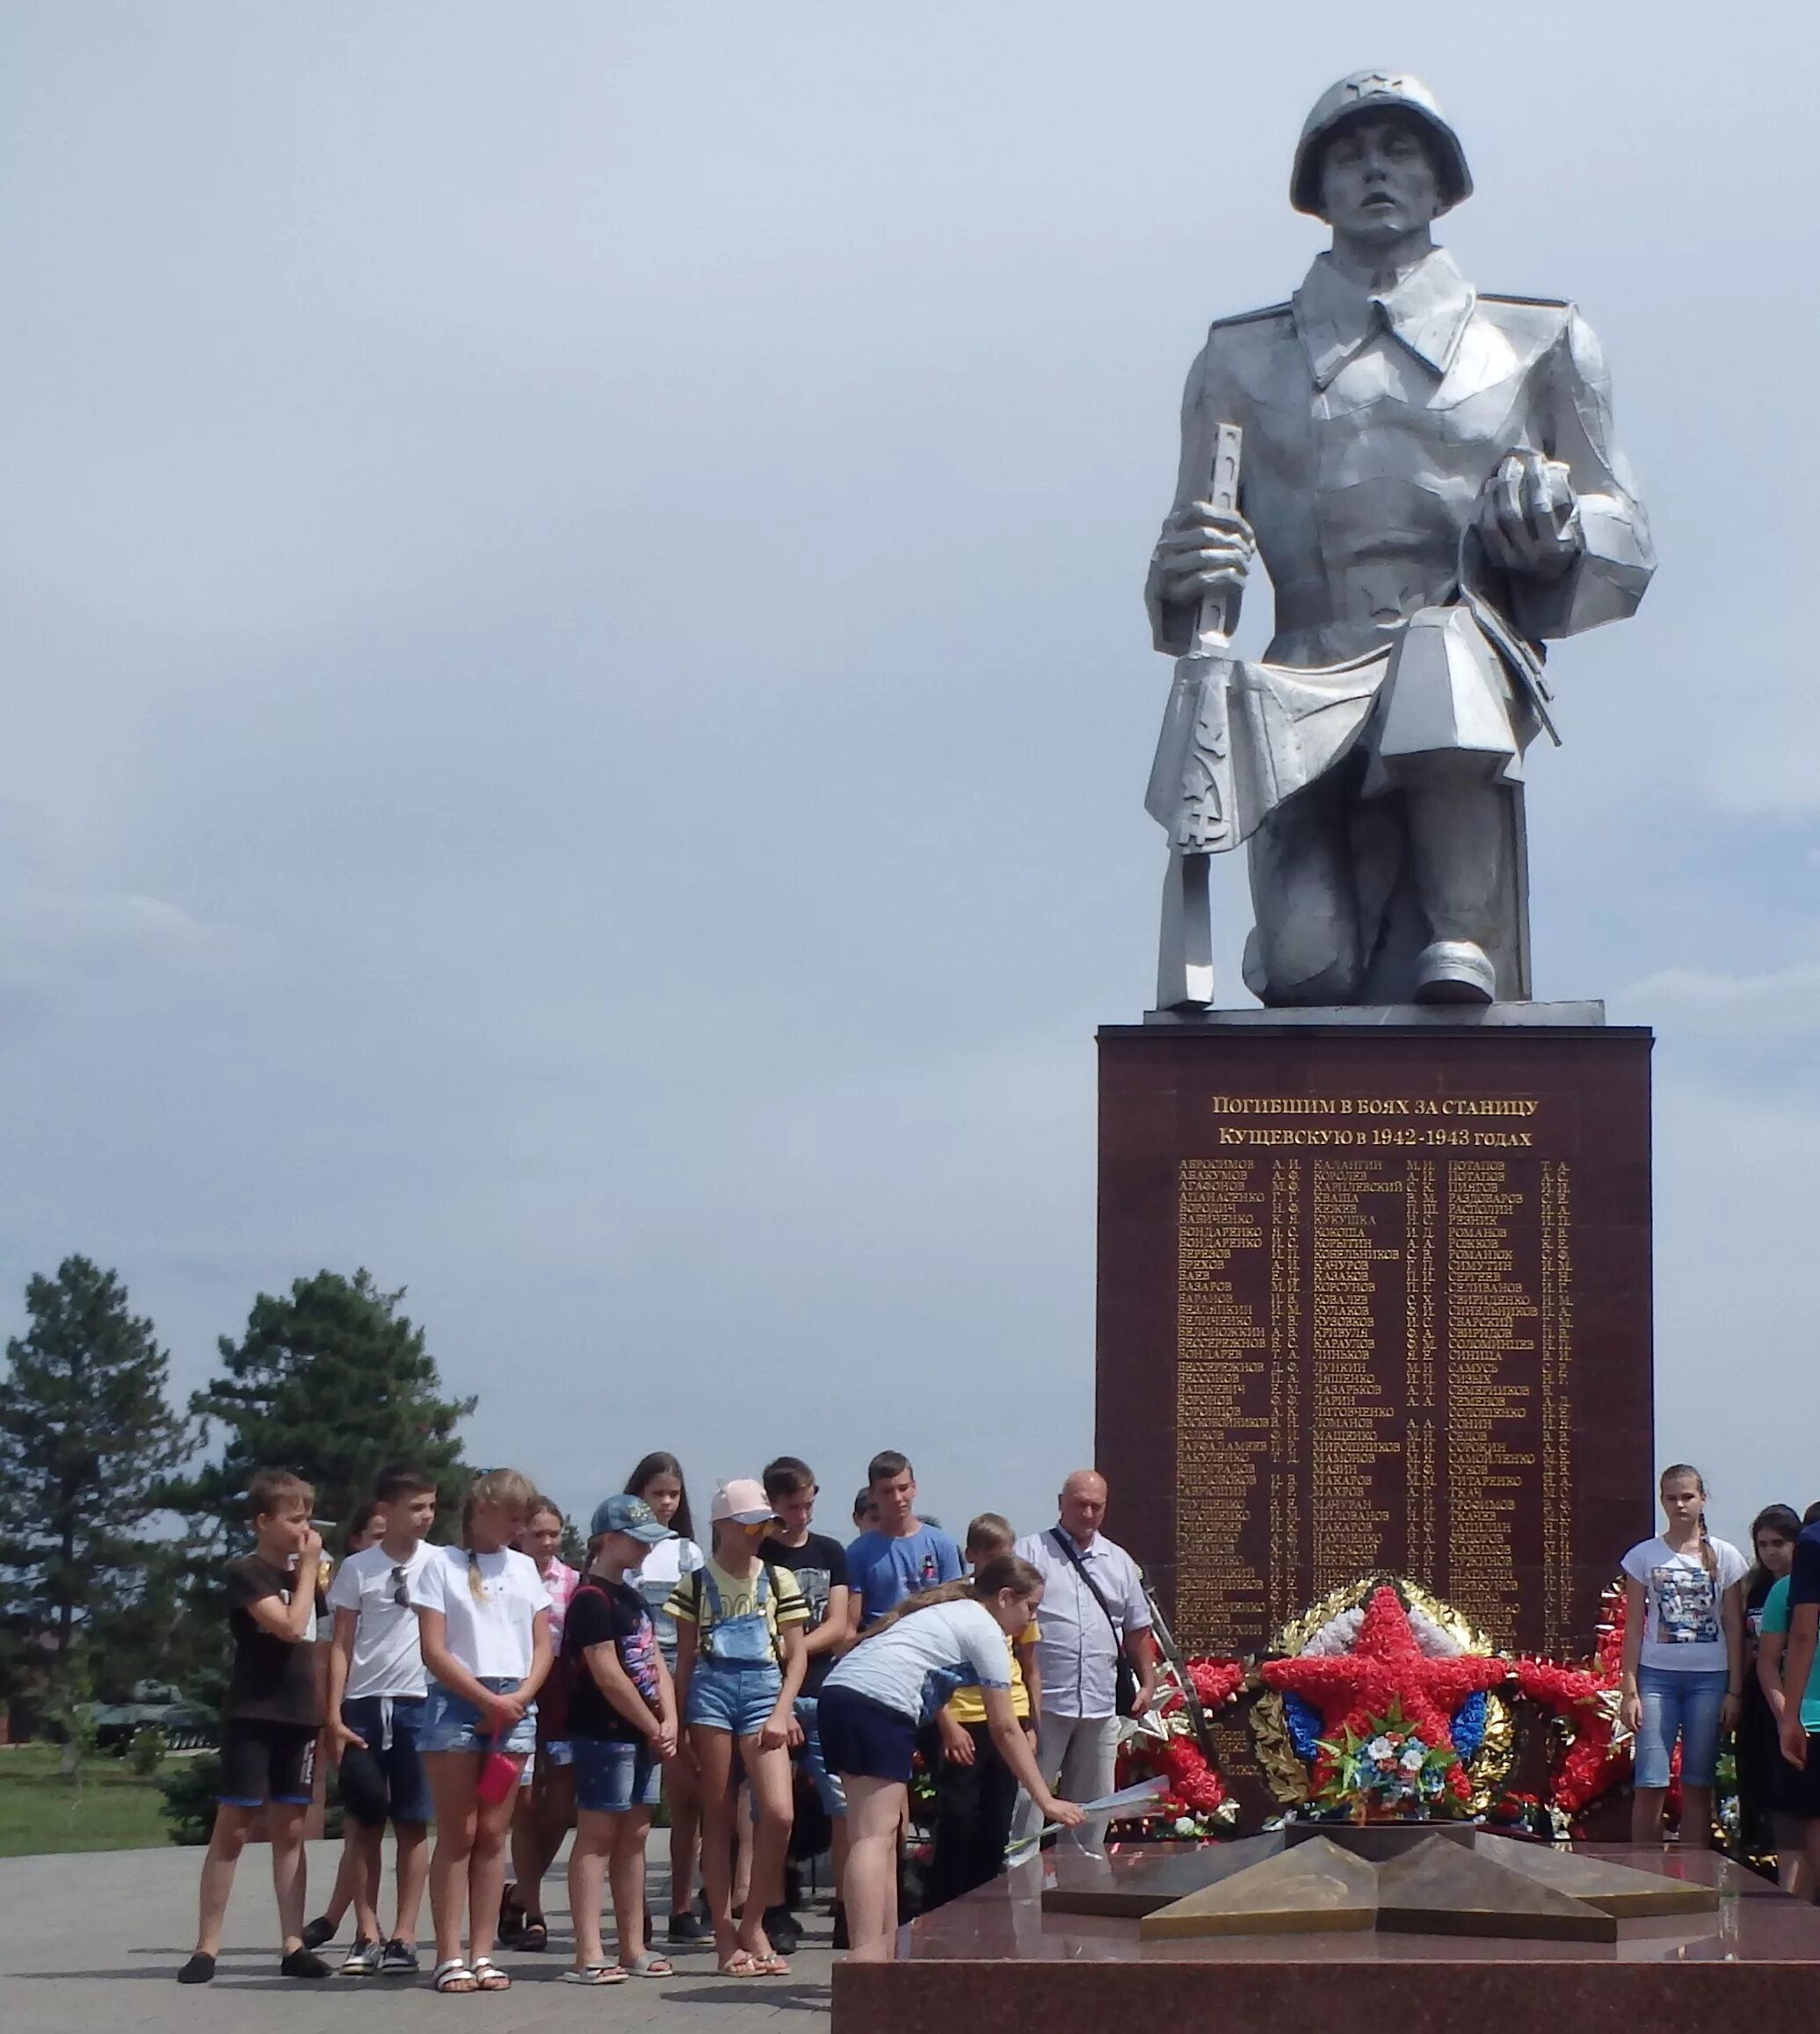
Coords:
pixel 740 1964
pixel 770 1966
pixel 488 1976
pixel 454 1976
pixel 596 1975
pixel 645 1964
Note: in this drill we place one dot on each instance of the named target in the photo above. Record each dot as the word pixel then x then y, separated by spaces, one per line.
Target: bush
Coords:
pixel 146 1750
pixel 188 1786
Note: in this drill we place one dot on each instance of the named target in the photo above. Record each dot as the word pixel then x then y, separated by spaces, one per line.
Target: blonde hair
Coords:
pixel 989 1528
pixel 1003 1571
pixel 503 1487
pixel 1708 1559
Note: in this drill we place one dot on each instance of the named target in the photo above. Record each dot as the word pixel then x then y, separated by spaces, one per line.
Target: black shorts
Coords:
pixel 862 1739
pixel 1797 1793
pixel 266 1762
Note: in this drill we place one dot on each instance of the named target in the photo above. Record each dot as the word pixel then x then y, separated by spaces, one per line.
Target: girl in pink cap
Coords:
pixel 740 1662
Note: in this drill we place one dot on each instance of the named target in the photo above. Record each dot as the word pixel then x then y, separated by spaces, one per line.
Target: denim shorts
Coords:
pixel 1676 1703
pixel 613 1774
pixel 733 1695
pixel 828 1791
pixel 452 1723
pixel 385 1783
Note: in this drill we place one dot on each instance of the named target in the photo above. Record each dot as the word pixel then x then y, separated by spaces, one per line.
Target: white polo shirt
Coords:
pixel 1077 1655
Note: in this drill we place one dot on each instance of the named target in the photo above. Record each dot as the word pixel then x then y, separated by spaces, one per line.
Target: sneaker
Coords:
pixel 781 1931
pixel 304 1964
pixel 841 1941
pixel 198 1970
pixel 399 1959
pixel 689 1927
pixel 365 1959
pixel 319 1930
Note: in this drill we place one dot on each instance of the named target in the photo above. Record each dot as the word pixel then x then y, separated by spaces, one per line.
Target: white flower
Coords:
pixel 1413 1756
pixel 1185 1825
pixel 1380 1751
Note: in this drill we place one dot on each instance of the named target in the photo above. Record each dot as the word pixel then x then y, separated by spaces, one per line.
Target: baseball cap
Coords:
pixel 744 1499
pixel 629 1515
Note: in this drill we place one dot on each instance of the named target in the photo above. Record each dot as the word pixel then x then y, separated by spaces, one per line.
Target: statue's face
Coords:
pixel 1379 182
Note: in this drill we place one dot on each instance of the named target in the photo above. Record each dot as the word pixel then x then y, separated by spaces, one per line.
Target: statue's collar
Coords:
pixel 1427 310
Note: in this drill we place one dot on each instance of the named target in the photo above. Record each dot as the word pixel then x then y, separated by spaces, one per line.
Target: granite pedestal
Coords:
pixel 995 1962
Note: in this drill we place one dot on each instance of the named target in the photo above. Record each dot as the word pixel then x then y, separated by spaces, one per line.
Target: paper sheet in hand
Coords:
pixel 1126 1804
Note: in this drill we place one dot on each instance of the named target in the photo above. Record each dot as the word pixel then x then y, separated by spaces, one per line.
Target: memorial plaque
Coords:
pixel 1376 1298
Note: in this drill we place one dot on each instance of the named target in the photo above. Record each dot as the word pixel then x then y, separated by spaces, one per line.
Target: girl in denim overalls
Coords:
pixel 740 1663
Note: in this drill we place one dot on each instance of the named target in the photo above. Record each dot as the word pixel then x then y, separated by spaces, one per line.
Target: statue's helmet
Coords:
pixel 1377 91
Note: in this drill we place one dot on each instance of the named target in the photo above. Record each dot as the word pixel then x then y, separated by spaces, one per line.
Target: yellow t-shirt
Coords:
pixel 968 1705
pixel 784 1603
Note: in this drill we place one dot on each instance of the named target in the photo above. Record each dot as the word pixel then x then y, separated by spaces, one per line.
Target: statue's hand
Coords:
pixel 1529 516
pixel 1201 550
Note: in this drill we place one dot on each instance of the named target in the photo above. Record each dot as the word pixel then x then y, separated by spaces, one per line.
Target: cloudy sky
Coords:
pixel 575 702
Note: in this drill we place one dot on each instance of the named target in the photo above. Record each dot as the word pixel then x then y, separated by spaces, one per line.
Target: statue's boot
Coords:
pixel 1456 823
pixel 1454 971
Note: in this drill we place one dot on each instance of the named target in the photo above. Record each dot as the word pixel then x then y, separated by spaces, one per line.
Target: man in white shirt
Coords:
pixel 1093 1611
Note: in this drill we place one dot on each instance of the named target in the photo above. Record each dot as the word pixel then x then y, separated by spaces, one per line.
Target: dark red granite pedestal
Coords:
pixel 994 1962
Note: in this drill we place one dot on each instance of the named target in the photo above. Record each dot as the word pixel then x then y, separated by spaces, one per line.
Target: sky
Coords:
pixel 576 701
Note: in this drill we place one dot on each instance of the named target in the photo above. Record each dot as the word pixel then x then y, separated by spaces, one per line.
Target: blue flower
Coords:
pixel 1304 1723
pixel 1468 1728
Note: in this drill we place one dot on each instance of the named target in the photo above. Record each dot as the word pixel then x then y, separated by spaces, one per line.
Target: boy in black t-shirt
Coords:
pixel 622 1729
pixel 820 1566
pixel 270 1719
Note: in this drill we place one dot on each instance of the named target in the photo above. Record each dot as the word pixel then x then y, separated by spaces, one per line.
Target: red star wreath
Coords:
pixel 1386 1666
pixel 1596 1754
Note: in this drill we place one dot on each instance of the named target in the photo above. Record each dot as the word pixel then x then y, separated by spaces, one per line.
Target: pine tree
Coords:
pixel 334 1383
pixel 87 1443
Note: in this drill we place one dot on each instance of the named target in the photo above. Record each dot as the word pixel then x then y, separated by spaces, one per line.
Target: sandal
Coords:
pixel 739 1965
pixel 454 1976
pixel 770 1966
pixel 596 1975
pixel 488 1976
pixel 534 1934
pixel 647 1964
pixel 511 1917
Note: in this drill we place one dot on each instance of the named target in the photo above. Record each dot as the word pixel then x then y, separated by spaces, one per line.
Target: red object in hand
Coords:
pixel 499 1775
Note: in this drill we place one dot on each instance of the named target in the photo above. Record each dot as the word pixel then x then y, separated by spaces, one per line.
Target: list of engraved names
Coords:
pixel 1374 1360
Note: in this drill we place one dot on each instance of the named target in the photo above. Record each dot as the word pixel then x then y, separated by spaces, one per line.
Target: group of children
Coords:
pixel 492 1689
pixel 1716 1644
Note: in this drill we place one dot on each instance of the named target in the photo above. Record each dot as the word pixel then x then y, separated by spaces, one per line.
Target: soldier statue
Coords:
pixel 1430 478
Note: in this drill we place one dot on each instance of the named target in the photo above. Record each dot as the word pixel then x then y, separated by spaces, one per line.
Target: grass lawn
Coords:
pixel 110 1809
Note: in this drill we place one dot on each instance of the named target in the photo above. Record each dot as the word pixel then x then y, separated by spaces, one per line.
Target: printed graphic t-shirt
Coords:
pixel 689 1602
pixel 820 1564
pixel 885 1571
pixel 607 1613
pixel 1681 1626
pixel 273 1680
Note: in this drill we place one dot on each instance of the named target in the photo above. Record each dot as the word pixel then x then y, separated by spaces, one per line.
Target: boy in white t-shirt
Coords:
pixel 376 1689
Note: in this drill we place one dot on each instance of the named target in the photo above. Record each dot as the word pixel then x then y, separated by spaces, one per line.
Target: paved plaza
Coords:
pixel 92 1942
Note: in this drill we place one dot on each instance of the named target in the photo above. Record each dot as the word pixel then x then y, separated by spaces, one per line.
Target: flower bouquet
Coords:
pixel 1384 1772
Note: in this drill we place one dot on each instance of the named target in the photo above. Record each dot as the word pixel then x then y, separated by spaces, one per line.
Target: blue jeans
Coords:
pixel 1676 1703
pixel 828 1788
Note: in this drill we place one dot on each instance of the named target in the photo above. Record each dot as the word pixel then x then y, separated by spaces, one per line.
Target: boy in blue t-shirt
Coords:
pixel 900 1555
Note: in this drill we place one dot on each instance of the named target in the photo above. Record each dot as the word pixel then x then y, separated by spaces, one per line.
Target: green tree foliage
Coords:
pixel 87 1443
pixel 331 1381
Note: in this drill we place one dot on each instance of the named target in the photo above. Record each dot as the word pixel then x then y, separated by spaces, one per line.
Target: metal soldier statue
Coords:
pixel 1430 478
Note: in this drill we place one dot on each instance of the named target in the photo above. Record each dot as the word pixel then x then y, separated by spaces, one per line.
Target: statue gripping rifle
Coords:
pixel 1430 477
